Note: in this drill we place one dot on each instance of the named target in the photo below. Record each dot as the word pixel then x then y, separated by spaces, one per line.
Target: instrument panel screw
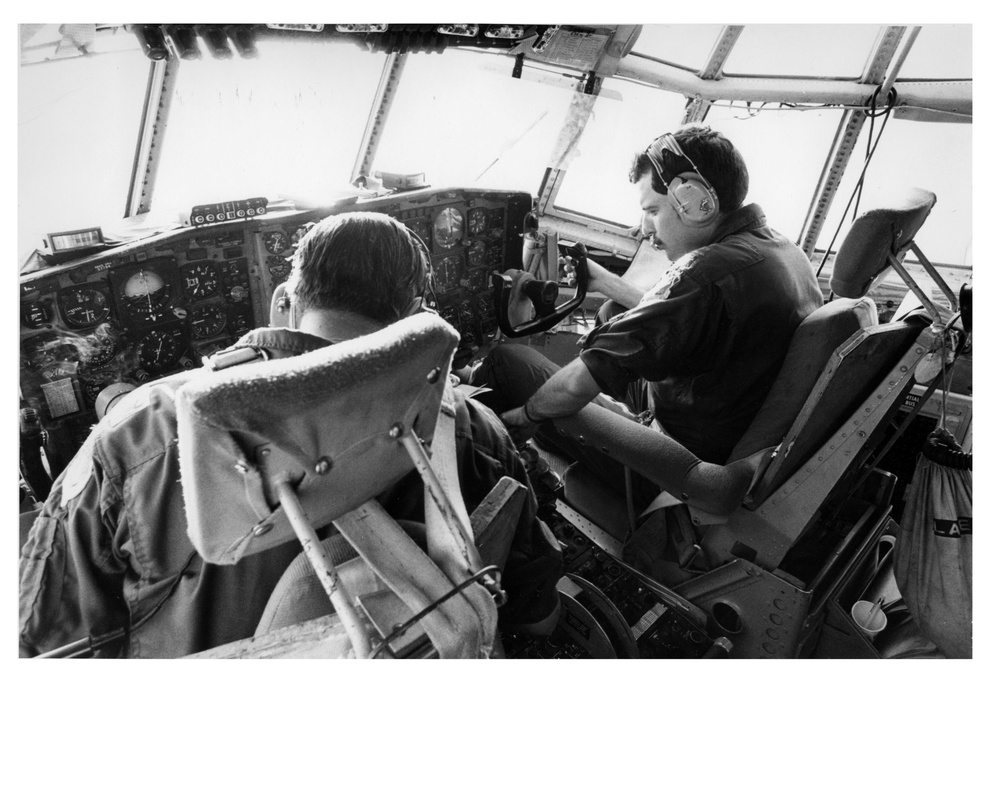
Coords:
pixel 433 375
pixel 396 431
pixel 323 466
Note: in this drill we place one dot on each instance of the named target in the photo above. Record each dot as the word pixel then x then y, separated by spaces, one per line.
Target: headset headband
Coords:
pixel 666 148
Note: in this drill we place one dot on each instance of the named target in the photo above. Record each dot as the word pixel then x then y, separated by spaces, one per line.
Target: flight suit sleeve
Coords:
pixel 70 576
pixel 671 337
pixel 534 563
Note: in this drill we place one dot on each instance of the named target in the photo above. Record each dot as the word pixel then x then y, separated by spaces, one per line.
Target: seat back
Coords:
pixel 813 344
pixel 876 235
pixel 273 450
pixel 859 385
pixel 325 419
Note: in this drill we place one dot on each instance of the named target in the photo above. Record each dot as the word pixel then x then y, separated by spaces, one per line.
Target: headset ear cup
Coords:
pixel 694 200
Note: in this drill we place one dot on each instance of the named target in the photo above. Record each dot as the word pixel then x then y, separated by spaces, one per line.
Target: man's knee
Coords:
pixel 513 372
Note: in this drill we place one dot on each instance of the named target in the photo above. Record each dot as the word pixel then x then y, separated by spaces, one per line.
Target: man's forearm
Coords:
pixel 565 393
pixel 614 287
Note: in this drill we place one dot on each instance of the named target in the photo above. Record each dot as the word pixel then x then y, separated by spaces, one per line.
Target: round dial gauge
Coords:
pixel 280 268
pixel 201 280
pixel 208 321
pixel 84 306
pixel 477 221
pixel 276 242
pixel 160 349
pixel 145 296
pixel 477 252
pixel 102 346
pixel 95 382
pixel 446 273
pixel 448 227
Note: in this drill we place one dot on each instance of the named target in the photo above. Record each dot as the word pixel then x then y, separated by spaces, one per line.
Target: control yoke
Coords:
pixel 526 305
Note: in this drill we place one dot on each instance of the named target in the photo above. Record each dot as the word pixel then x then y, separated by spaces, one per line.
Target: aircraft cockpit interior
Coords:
pixel 549 179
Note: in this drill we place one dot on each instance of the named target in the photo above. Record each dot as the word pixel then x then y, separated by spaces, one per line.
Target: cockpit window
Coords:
pixel 288 123
pixel 682 45
pixel 831 51
pixel 940 52
pixel 78 122
pixel 462 119
pixel 935 157
pixel 625 118
pixel 782 177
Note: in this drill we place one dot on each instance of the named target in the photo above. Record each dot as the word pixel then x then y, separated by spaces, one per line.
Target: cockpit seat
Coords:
pixel 842 379
pixel 276 449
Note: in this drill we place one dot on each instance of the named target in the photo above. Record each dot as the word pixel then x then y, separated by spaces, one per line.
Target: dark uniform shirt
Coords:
pixel 110 547
pixel 710 337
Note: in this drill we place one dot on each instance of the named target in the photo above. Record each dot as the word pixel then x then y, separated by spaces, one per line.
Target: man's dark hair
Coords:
pixel 718 161
pixel 363 262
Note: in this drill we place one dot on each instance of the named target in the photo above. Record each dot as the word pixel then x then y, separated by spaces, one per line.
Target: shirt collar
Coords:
pixel 746 218
pixel 283 342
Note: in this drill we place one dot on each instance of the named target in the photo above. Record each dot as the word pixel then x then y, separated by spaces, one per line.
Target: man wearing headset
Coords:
pixel 698 351
pixel 109 551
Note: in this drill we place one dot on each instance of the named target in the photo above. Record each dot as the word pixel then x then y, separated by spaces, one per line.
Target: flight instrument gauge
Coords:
pixel 448 227
pixel 145 296
pixel 101 346
pixel 477 251
pixel 160 349
pixel 201 280
pixel 208 321
pixel 84 306
pixel 477 222
pixel 276 242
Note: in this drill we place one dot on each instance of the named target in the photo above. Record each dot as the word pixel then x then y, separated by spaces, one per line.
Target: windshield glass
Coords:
pixel 78 122
pixel 461 119
pixel 288 123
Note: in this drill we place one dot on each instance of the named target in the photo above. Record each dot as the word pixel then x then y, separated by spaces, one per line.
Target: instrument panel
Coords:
pixel 158 306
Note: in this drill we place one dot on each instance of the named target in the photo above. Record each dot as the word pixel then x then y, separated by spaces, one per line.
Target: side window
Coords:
pixel 784 151
pixel 625 118
pixel 933 156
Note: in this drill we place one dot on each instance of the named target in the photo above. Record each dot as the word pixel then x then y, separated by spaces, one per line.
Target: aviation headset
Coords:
pixel 426 291
pixel 691 195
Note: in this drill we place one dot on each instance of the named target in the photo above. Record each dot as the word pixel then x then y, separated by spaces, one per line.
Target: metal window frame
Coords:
pixel 152 127
pixel 951 98
pixel 392 72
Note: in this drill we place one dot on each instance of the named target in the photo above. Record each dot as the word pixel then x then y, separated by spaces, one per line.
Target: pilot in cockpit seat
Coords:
pixel 695 355
pixel 110 549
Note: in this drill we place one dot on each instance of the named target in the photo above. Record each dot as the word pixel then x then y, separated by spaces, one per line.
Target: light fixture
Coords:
pixel 151 41
pixel 184 42
pixel 303 28
pixel 215 40
pixel 242 39
pixel 505 32
pixel 458 30
pixel 377 28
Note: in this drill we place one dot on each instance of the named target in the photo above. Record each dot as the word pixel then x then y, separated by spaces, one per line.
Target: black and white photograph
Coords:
pixel 525 343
